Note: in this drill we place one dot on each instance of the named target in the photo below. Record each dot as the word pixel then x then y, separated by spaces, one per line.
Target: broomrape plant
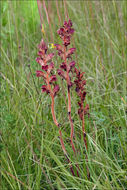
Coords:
pixel 71 75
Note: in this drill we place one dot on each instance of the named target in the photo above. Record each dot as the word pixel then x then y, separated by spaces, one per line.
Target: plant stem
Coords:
pixel 69 109
pixel 57 124
pixel 83 130
pixel 69 103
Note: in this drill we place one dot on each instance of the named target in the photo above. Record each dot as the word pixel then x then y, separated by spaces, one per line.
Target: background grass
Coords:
pixel 31 155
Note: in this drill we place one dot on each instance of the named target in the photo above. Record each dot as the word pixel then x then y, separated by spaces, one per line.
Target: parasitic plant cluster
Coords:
pixel 81 92
pixel 50 87
pixel 66 66
pixel 72 77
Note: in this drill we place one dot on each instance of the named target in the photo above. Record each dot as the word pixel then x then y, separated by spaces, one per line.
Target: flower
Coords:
pixel 51 46
pixel 40 61
pixel 43 47
pixel 52 78
pixel 45 89
pixel 45 67
pixel 66 32
pixel 39 74
pixel 70 52
pixel 61 73
pixel 86 109
pixel 79 82
pixel 49 57
pixel 72 64
pixel 45 60
pixel 50 67
pixel 55 90
pixel 59 47
pixel 63 66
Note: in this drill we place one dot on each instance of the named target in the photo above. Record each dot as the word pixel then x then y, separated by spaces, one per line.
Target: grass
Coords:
pixel 31 156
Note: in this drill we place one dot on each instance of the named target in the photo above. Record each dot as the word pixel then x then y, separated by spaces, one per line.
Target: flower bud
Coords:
pixel 45 67
pixel 45 89
pixel 40 61
pixel 39 74
pixel 52 78
pixel 55 90
pixel 49 57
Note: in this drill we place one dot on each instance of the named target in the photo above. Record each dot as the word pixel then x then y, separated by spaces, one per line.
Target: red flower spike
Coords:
pixel 43 60
pixel 49 79
pixel 66 32
pixel 81 92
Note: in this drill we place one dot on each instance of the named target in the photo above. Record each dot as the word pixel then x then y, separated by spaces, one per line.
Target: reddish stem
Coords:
pixel 69 104
pixel 65 10
pixel 69 108
pixel 57 124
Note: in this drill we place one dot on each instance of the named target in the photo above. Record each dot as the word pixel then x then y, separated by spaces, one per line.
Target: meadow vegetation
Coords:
pixel 30 152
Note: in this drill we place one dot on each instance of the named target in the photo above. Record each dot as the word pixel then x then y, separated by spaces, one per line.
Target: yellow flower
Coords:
pixel 51 46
